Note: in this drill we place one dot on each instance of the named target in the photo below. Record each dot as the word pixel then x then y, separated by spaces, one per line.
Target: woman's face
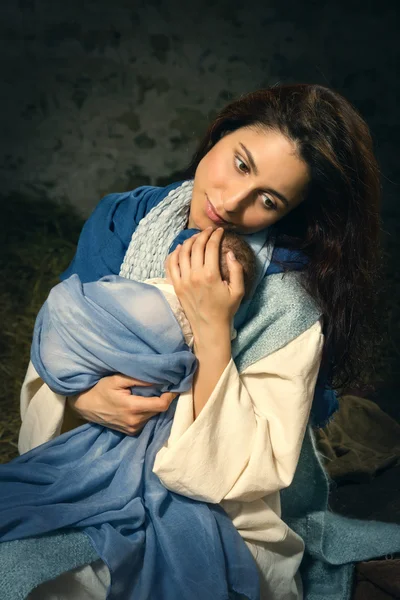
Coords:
pixel 249 180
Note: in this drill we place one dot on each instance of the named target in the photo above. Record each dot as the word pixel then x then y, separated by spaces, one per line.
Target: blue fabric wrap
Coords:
pixel 115 325
pixel 157 544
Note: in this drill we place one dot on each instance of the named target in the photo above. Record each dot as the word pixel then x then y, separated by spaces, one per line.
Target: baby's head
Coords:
pixel 244 255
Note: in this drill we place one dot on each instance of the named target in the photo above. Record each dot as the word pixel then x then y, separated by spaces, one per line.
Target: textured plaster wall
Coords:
pixel 102 95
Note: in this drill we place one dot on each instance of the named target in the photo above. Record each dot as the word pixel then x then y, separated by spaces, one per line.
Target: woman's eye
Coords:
pixel 268 203
pixel 241 165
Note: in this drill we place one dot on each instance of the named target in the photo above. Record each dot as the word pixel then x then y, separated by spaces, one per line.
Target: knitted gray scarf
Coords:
pixel 152 239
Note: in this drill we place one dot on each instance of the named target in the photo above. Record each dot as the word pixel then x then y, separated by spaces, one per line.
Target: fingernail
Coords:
pixel 231 255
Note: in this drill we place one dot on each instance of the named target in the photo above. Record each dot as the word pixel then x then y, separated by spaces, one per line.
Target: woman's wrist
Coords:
pixel 212 337
pixel 70 403
pixel 213 353
pixel 78 404
pixel 72 418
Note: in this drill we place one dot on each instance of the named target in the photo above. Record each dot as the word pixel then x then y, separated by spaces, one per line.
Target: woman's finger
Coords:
pixel 198 249
pixel 212 251
pixel 155 404
pixel 166 267
pixel 133 426
pixel 185 258
pixel 173 266
pixel 236 281
pixel 123 381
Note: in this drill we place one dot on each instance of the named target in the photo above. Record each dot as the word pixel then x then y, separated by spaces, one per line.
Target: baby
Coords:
pixel 244 255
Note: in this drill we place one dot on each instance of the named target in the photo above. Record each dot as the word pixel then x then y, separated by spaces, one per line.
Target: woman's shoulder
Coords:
pixel 131 206
pixel 280 311
pixel 108 231
pixel 285 304
pixel 294 260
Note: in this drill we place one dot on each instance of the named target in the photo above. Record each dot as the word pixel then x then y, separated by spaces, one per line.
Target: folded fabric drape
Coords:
pixel 157 544
pixel 84 332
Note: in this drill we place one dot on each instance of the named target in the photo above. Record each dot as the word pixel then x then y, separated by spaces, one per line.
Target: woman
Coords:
pixel 293 164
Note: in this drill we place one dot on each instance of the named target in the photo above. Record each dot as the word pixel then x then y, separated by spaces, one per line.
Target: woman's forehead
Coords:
pixel 265 142
pixel 274 156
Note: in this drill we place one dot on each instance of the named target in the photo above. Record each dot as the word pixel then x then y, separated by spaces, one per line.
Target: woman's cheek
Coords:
pixel 220 175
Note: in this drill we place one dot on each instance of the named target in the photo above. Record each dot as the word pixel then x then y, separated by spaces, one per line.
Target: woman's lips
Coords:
pixel 213 215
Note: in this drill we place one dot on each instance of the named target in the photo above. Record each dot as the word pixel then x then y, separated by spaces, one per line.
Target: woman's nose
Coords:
pixel 237 199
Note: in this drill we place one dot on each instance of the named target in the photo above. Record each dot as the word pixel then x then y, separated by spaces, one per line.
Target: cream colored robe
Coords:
pixel 240 451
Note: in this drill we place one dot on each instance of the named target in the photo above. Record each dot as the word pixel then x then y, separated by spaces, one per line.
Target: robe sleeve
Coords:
pixel 246 442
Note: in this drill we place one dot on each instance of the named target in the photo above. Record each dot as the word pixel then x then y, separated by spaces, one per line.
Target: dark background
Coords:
pixel 100 96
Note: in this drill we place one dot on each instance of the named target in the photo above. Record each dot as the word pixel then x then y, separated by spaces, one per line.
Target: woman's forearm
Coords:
pixel 213 352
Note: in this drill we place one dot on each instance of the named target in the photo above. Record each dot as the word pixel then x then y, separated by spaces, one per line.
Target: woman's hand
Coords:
pixel 209 302
pixel 110 403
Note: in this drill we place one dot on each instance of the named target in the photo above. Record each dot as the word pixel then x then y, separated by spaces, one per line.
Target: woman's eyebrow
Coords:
pixel 280 196
pixel 254 167
pixel 250 158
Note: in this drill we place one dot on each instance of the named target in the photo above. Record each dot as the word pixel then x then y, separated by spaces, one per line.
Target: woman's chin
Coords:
pixel 200 223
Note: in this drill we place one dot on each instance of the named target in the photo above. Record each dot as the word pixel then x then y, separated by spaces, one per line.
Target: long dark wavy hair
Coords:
pixel 338 225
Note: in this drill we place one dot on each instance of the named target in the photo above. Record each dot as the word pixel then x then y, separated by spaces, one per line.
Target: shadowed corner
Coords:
pixel 37 242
